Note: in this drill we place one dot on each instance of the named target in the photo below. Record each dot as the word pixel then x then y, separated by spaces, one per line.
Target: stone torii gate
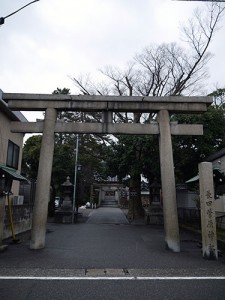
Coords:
pixel 51 104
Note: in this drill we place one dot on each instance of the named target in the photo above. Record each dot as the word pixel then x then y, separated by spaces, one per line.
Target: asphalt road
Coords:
pixel 107 258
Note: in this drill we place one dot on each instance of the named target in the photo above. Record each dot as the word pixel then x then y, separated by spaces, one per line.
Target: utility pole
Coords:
pixel 75 178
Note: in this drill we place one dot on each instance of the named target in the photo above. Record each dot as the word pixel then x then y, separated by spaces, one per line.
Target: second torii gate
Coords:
pixel 51 104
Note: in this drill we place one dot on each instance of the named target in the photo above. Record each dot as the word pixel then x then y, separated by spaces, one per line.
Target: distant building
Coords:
pixel 218 161
pixel 11 144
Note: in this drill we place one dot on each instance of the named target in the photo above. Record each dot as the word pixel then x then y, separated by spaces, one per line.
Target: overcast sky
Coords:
pixel 51 40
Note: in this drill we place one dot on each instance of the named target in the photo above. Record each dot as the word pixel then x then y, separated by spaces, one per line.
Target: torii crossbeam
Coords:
pixel 51 104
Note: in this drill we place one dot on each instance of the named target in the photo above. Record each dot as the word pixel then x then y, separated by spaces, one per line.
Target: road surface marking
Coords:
pixel 110 278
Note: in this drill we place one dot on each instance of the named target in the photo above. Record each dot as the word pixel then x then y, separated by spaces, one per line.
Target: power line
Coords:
pixel 2 19
pixel 203 0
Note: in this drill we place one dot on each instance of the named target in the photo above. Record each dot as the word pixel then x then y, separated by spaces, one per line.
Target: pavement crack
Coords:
pixel 126 272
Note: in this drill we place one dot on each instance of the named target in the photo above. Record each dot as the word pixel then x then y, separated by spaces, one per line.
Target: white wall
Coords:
pixel 220 204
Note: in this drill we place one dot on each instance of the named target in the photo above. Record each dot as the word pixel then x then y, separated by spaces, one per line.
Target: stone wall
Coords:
pixel 22 219
pixel 187 199
pixel 189 215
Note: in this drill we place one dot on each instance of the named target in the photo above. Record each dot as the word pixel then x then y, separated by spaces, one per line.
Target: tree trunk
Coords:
pixel 135 204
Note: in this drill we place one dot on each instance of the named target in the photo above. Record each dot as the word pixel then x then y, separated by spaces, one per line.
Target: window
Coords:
pixel 12 155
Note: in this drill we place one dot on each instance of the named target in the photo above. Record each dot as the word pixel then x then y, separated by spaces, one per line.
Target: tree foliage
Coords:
pixel 91 154
pixel 31 154
pixel 190 150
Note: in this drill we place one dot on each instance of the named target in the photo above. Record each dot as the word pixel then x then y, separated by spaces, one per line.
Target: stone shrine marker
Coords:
pixel 208 218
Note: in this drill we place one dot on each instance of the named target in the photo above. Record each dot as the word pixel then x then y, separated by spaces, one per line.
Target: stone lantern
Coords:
pixel 155 212
pixel 67 194
pixel 155 190
pixel 65 212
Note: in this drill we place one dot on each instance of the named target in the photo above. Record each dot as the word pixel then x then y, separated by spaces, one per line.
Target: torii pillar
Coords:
pixel 40 211
pixel 168 183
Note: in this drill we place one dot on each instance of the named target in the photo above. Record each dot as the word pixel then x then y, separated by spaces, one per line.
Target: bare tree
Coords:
pixel 162 70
